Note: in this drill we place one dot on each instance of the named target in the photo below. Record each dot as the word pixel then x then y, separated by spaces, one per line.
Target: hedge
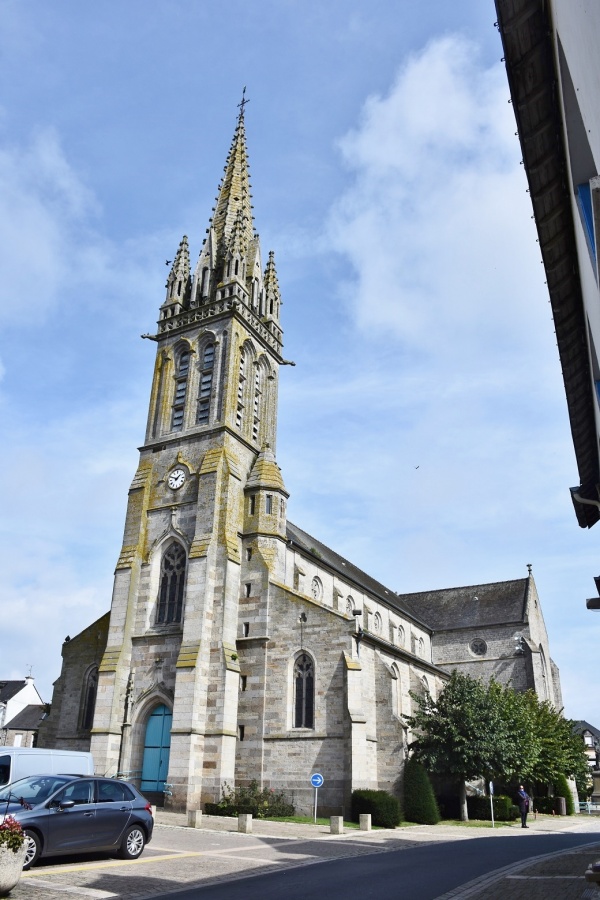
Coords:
pixel 262 803
pixel 383 807
pixel 504 808
pixel 419 800
pixel 561 789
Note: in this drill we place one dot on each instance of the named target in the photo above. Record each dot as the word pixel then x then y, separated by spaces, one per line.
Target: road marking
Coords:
pixel 108 864
pixel 80 891
pixel 545 877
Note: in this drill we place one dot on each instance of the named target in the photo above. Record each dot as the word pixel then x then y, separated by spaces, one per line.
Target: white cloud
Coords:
pixel 41 200
pixel 437 220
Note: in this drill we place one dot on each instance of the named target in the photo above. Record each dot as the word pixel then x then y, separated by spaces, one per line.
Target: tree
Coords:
pixel 420 804
pixel 465 733
pixel 476 730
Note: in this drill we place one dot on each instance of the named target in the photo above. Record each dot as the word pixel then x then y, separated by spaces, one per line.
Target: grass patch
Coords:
pixel 308 820
pixel 477 823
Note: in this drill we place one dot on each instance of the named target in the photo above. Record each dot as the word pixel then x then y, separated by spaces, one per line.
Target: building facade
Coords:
pixel 550 49
pixel 237 647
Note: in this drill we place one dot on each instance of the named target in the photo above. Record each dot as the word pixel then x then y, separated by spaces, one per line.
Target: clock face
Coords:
pixel 176 479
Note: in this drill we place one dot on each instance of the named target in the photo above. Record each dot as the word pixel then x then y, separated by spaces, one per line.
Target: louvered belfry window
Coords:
pixel 172 577
pixel 181 382
pixel 206 378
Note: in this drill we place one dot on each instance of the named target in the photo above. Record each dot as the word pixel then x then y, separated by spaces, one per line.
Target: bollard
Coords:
pixel 194 818
pixel 336 825
pixel 245 823
pixel 365 821
pixel 153 811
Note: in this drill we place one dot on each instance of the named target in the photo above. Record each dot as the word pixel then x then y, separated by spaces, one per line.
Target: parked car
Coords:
pixel 68 814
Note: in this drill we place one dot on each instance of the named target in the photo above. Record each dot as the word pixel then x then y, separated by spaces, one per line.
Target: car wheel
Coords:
pixel 33 848
pixel 133 843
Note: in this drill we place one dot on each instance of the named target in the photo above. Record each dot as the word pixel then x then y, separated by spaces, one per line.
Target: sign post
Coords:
pixel 317 781
pixel 492 801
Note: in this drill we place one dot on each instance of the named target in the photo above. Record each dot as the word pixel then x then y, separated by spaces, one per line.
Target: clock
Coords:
pixel 176 479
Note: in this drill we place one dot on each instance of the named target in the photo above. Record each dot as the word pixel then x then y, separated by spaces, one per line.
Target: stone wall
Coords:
pixel 64 728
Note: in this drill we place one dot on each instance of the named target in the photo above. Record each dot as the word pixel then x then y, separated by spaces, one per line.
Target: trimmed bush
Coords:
pixel 504 808
pixel 264 803
pixel 561 789
pixel 420 804
pixel 383 807
pixel 448 805
pixel 544 805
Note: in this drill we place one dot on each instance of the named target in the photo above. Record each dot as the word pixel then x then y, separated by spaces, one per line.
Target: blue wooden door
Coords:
pixel 155 765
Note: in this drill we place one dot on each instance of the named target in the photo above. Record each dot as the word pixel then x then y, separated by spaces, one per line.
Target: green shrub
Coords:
pixel 544 805
pixel 262 803
pixel 448 805
pixel 504 808
pixel 562 789
pixel 420 804
pixel 383 807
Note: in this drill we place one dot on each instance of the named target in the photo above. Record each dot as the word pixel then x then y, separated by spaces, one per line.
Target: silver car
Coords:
pixel 69 814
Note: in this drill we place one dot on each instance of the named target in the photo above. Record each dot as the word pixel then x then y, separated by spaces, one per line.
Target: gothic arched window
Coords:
pixel 172 577
pixel 304 692
pixel 181 382
pixel 206 379
pixel 90 690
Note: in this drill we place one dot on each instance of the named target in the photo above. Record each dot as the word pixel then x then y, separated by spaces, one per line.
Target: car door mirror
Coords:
pixel 66 804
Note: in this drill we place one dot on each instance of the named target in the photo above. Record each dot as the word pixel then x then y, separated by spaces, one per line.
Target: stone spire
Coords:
pixel 233 212
pixel 271 286
pixel 178 282
pixel 266 474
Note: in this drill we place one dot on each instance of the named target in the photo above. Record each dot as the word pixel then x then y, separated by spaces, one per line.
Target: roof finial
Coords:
pixel 242 103
pixel 529 568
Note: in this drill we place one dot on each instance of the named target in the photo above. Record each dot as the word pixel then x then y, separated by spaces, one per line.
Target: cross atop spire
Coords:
pixel 242 103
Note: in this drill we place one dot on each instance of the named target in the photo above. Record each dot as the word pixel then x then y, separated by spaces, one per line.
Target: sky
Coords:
pixel 423 432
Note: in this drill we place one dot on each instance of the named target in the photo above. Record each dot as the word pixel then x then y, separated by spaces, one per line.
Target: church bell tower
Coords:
pixel 207 483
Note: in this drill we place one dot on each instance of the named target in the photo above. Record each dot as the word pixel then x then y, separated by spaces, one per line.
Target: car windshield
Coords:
pixel 34 789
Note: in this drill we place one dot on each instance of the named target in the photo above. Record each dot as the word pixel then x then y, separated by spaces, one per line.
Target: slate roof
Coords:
pixel 8 689
pixel 475 605
pixel 349 572
pixel 28 719
pixel 581 725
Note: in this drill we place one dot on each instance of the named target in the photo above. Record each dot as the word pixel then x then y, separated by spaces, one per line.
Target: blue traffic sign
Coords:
pixel 316 780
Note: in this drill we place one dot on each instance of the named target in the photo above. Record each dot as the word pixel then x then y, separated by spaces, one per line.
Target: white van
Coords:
pixel 19 762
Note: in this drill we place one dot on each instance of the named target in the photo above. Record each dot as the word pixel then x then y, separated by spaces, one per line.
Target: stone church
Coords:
pixel 237 646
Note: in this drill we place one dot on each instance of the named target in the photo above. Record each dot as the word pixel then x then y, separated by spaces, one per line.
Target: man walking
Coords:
pixel 523 800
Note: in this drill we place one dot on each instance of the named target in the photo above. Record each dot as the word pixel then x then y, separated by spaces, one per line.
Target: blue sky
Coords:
pixel 386 177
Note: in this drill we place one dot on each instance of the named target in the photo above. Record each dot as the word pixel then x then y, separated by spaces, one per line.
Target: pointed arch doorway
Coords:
pixel 157 745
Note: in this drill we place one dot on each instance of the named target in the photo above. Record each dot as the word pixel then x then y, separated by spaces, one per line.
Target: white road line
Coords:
pixel 67 889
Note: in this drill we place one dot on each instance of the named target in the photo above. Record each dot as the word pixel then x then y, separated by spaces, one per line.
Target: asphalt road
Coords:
pixel 419 873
